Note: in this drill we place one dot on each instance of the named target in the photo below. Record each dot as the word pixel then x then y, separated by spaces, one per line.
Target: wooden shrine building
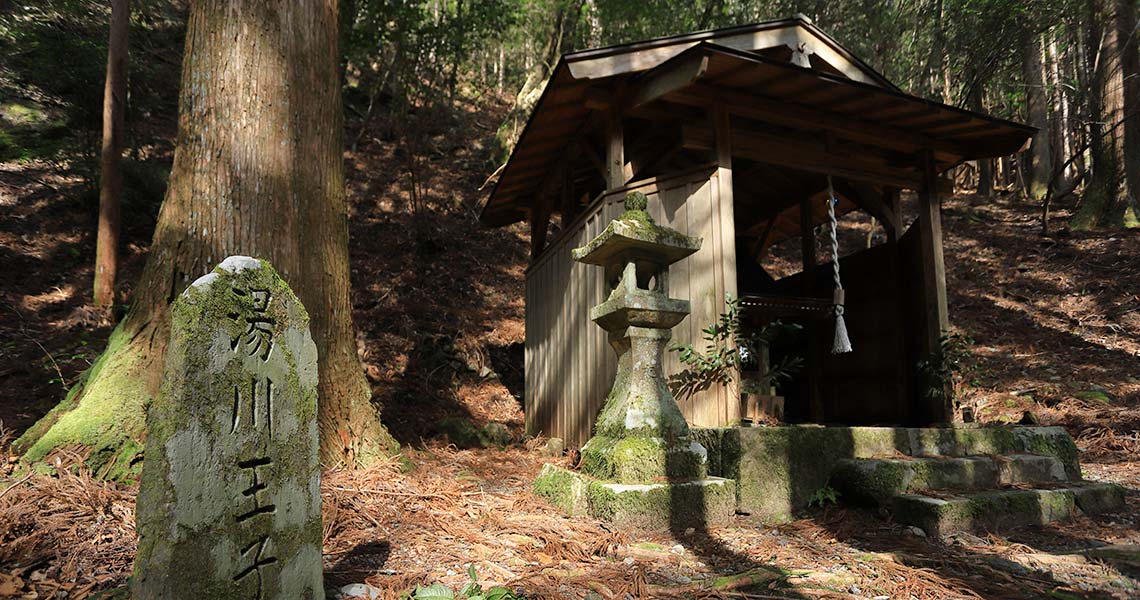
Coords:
pixel 732 134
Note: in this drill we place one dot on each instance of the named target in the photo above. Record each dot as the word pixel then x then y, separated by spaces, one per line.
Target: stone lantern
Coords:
pixel 641 467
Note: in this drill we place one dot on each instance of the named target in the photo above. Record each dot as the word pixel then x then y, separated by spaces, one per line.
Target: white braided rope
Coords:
pixel 842 343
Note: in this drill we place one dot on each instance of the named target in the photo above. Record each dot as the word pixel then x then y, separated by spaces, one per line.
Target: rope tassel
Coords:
pixel 842 343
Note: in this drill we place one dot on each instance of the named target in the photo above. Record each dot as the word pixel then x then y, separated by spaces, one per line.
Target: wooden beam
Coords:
pixel 809 156
pixel 597 99
pixel 640 57
pixel 762 242
pixel 665 78
pixel 792 114
pixel 871 200
pixel 935 311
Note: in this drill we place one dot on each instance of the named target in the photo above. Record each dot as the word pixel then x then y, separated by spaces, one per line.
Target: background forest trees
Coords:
pixel 1065 66
pixel 1068 67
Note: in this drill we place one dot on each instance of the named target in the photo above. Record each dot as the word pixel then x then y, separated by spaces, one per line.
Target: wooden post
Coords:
pixel 935 311
pixel 725 219
pixel 811 328
pixel 615 148
pixel 893 201
pixel 539 220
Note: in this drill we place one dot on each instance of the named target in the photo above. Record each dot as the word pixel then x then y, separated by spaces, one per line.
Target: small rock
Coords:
pixel 628 560
pixel 553 448
pixel 449 573
pixel 683 580
pixel 690 531
pixel 915 531
pixel 358 590
pixel 854 589
pixel 678 549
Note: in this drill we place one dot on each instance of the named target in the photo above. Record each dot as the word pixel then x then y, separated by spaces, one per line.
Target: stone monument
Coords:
pixel 641 468
pixel 229 504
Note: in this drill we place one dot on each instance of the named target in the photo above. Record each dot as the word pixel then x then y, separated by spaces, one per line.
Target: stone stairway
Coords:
pixel 943 493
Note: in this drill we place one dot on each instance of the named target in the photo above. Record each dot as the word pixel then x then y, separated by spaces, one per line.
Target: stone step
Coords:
pixel 877 480
pixel 707 502
pixel 993 509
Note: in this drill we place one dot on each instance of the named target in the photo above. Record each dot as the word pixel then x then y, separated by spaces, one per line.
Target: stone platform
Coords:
pixel 708 502
pixel 943 478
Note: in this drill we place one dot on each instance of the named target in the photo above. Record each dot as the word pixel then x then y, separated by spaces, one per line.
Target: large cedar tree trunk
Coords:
pixel 110 172
pixel 1110 200
pixel 257 171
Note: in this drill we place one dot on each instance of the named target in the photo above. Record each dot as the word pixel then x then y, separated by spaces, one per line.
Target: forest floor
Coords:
pixel 1051 327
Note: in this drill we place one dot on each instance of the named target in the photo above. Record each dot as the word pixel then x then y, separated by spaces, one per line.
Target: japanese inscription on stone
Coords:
pixel 229 504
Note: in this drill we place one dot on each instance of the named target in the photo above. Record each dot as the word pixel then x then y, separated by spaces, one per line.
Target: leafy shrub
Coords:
pixel 729 348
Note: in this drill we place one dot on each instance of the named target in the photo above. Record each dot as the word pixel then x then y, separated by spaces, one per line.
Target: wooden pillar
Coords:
pixel 724 231
pixel 539 218
pixel 811 328
pixel 935 312
pixel 615 148
pixel 893 201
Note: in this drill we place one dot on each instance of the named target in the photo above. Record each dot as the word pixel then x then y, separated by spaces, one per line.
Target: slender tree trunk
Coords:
pixel 985 165
pixel 499 68
pixel 1040 155
pixel 257 171
pixel 1061 122
pixel 562 22
pixel 1110 200
pixel 111 170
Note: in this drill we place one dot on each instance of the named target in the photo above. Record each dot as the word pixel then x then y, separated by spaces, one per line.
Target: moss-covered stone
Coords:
pixel 778 468
pixel 562 488
pixel 654 506
pixel 641 459
pixel 229 502
pixel 1004 508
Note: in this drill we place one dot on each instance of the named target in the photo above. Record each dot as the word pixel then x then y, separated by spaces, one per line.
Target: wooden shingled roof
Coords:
pixel 815 108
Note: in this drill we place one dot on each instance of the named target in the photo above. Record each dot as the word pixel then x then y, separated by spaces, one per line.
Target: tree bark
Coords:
pixel 985 165
pixel 1061 122
pixel 1114 136
pixel 1040 155
pixel 258 170
pixel 111 170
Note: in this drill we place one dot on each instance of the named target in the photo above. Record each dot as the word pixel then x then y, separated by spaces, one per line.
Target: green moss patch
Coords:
pixel 642 506
pixel 104 412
